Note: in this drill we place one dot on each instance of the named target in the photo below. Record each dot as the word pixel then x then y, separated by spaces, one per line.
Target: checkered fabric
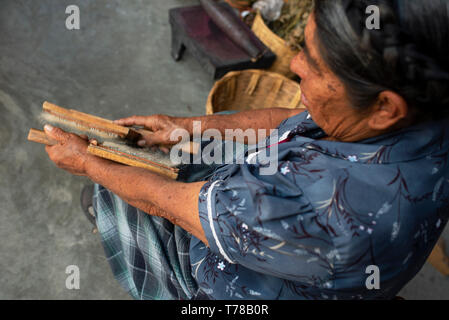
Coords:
pixel 149 256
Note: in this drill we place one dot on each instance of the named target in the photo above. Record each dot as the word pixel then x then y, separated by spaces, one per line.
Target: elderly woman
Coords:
pixel 361 190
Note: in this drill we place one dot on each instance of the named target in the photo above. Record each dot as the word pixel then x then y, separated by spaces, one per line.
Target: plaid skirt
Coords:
pixel 149 256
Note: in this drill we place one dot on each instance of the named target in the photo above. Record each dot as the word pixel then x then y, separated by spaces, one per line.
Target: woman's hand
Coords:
pixel 161 128
pixel 70 153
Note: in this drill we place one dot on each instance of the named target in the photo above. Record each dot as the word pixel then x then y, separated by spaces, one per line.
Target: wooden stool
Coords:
pixel 193 29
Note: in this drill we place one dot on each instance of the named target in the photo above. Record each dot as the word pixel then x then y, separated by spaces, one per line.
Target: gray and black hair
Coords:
pixel 409 54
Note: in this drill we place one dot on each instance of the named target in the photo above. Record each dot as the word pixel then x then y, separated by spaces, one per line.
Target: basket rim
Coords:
pixel 232 74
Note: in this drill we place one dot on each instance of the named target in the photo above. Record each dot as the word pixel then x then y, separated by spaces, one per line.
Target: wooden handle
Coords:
pixel 39 136
pixel 130 160
pixel 85 119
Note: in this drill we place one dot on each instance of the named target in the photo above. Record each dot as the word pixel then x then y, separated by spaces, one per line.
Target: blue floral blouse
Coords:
pixel 316 228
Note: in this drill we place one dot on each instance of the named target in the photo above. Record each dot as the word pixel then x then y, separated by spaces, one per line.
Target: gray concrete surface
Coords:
pixel 116 65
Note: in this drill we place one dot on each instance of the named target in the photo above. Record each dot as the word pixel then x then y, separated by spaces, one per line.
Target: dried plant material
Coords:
pixel 292 22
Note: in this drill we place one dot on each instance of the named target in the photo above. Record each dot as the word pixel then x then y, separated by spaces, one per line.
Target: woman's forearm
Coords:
pixel 151 193
pixel 266 119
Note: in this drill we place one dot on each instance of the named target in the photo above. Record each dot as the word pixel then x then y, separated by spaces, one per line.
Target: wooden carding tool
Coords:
pixel 115 142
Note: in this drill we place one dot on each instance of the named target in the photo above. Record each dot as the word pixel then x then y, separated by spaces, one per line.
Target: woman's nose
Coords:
pixel 297 65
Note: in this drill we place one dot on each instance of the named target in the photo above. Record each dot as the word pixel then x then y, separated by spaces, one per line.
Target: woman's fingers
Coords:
pixel 56 133
pixel 158 130
pixel 153 123
pixel 164 149
pixel 156 138
pixel 132 121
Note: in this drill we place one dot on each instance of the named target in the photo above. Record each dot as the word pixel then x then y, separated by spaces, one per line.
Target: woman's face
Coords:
pixel 324 95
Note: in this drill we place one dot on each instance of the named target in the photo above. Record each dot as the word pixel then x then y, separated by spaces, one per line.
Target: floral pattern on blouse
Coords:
pixel 332 209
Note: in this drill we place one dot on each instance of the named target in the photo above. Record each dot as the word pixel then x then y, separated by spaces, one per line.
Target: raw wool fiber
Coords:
pixel 291 24
pixel 73 127
pixel 106 139
pixel 145 153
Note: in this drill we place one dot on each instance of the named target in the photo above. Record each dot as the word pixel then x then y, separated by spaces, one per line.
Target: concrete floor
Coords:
pixel 116 65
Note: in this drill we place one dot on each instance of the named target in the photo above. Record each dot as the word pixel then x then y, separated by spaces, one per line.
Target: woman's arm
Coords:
pixel 151 193
pixel 162 126
pixel 251 119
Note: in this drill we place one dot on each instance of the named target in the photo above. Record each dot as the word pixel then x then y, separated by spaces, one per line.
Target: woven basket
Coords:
pixel 253 89
pixel 283 52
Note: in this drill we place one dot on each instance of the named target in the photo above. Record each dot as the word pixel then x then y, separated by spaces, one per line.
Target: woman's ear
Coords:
pixel 389 110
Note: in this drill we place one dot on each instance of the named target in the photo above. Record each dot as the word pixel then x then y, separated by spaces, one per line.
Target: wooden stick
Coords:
pixel 90 121
pixel 40 137
pixel 86 120
pixel 129 160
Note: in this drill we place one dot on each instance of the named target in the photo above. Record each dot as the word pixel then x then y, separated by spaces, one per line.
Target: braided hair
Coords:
pixel 409 54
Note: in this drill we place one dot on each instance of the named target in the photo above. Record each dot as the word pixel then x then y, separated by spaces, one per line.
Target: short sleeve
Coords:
pixel 265 223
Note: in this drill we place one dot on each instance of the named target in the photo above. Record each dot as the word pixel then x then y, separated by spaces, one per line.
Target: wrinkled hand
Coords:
pixel 161 126
pixel 70 153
